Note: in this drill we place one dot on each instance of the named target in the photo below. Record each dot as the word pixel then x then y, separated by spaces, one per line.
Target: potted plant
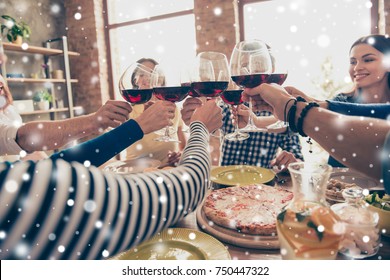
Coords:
pixel 15 31
pixel 42 99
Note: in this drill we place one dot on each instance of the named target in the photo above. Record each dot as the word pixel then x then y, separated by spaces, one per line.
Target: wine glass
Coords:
pixel 250 66
pixel 211 74
pixel 169 89
pixel 135 84
pixel 233 97
pixel 278 76
pixel 211 78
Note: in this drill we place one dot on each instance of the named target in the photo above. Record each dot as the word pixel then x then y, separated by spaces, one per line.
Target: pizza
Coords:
pixel 248 209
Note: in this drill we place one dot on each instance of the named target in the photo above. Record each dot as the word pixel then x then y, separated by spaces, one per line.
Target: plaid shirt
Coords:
pixel 260 148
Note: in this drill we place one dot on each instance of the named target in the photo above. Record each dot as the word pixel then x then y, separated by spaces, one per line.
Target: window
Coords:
pixel 311 37
pixel 125 10
pixel 168 38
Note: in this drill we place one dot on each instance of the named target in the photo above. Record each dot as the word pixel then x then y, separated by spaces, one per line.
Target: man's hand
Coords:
pixel 282 160
pixel 189 106
pixel 210 114
pixel 111 114
pixel 157 116
pixel 269 97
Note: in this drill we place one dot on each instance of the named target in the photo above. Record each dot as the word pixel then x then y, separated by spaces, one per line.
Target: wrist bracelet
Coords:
pixel 292 112
pixel 285 109
pixel 303 115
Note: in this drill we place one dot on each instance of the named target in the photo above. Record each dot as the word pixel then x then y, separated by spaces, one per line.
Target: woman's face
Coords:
pixel 366 66
pixel 143 79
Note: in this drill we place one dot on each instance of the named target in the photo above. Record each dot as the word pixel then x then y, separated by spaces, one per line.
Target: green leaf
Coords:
pixel 8 18
pixel 312 225
pixel 281 215
pixel 300 217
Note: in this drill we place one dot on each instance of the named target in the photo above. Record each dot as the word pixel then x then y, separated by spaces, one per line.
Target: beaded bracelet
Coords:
pixel 285 109
pixel 291 113
pixel 303 115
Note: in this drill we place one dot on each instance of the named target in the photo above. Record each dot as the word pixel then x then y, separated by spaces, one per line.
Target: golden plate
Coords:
pixel 178 244
pixel 132 166
pixel 241 175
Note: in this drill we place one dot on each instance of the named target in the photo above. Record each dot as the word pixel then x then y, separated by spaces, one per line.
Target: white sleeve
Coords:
pixel 8 145
pixel 56 210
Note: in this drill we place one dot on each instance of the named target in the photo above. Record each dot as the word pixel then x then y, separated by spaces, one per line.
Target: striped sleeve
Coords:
pixel 56 210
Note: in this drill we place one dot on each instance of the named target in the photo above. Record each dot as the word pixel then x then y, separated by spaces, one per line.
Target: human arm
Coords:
pixel 100 149
pixel 380 111
pixel 129 209
pixel 243 116
pixel 50 135
pixel 109 213
pixel 342 136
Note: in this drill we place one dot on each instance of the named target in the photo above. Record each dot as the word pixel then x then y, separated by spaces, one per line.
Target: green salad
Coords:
pixel 379 200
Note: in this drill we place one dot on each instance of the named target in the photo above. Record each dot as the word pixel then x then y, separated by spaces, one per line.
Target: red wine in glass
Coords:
pixel 137 96
pixel 277 78
pixel 209 89
pixel 173 94
pixel 232 97
pixel 254 80
pixel 192 92
pixel 250 81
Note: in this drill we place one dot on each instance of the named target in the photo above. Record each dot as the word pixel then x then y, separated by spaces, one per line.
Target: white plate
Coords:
pixel 132 166
pixel 350 177
pixel 356 178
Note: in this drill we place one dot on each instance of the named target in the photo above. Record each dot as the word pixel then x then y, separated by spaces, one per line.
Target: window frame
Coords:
pixel 108 27
pixel 241 5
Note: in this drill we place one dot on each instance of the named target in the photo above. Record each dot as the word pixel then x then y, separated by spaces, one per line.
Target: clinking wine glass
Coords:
pixel 211 77
pixel 250 66
pixel 233 97
pixel 135 84
pixel 169 89
pixel 211 74
pixel 279 75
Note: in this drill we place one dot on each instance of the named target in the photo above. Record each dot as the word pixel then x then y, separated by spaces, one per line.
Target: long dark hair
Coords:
pixel 380 43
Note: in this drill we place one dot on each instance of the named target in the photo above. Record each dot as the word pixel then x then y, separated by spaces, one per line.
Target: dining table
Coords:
pixel 247 253
pixel 282 180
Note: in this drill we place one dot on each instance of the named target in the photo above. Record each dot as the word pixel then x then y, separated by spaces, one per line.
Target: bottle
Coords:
pixel 307 228
pixel 362 237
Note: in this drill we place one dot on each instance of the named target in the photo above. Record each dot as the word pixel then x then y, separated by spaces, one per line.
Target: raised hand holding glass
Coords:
pixel 250 66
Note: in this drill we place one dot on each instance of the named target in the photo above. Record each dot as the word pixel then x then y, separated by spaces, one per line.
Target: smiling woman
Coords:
pixel 370 72
pixel 306 34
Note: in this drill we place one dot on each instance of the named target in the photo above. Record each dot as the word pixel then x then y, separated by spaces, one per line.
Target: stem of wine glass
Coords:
pixel 250 119
pixel 235 118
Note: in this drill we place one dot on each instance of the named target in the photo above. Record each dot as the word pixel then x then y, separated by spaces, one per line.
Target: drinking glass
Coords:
pixel 279 75
pixel 135 84
pixel 211 77
pixel 250 66
pixel 211 74
pixel 169 89
pixel 233 97
pixel 307 228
